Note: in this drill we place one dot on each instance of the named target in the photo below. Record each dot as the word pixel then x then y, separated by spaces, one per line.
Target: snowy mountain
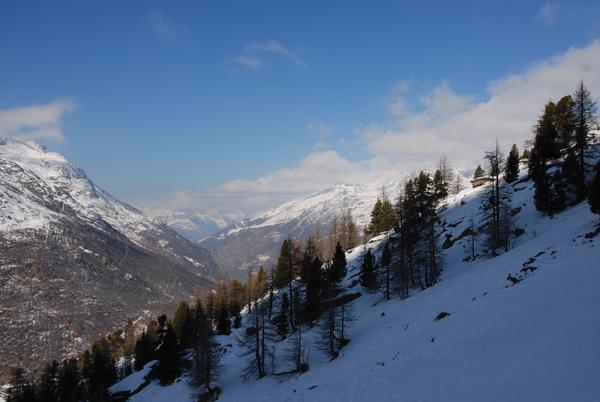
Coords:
pixel 256 240
pixel 532 337
pixel 75 262
pixel 194 225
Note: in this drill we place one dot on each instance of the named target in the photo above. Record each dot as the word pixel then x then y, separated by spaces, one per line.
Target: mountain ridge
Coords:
pixel 64 239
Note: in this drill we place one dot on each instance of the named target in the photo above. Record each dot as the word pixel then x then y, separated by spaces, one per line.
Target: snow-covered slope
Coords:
pixel 502 341
pixel 256 241
pixel 70 253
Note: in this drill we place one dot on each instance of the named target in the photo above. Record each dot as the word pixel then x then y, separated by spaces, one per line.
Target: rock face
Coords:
pixel 256 241
pixel 75 262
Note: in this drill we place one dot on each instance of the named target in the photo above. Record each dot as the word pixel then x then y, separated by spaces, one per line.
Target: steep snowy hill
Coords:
pixel 194 225
pixel 256 241
pixel 534 337
pixel 75 262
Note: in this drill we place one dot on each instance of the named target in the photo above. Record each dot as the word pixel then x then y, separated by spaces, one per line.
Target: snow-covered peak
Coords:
pixel 323 205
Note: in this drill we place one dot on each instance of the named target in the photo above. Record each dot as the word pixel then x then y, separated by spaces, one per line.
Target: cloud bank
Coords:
pixel 35 121
pixel 414 136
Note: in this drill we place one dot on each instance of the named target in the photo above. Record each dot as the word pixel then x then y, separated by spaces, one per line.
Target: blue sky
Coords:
pixel 184 103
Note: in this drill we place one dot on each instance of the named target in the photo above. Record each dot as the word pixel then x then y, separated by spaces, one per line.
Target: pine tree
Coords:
pixel 285 273
pixel 564 123
pixel 479 172
pixel 445 169
pixel 282 268
pixel 100 373
pixel 205 356
pixel 169 357
pixel 367 272
pixel 496 204
pixel 312 278
pixel 281 319
pixel 546 136
pixel 594 190
pixel 386 261
pixel 440 187
pixel 68 381
pixel 182 315
pixel 144 351
pixel 585 115
pixel 511 167
pixel 337 270
pixel 375 224
pixel 223 322
pixel 48 385
pixel 383 217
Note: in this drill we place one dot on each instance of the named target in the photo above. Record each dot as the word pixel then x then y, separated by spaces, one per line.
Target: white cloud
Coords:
pixel 161 24
pixel 35 121
pixel 456 125
pixel 444 122
pixel 251 59
pixel 548 13
pixel 248 61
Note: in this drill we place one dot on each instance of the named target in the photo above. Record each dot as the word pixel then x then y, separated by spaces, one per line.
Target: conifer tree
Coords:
pixel 367 272
pixel 169 356
pixel 101 372
pixel 312 278
pixel 182 315
pixel 386 261
pixel 284 275
pixel 282 269
pixel 68 381
pixel 144 350
pixel 564 123
pixel 594 191
pixel 585 118
pixel 223 322
pixel 337 270
pixel 511 167
pixel 236 299
pixel 496 204
pixel 440 187
pixel 383 217
pixel 479 172
pixel 48 385
pixel 205 357
pixel 281 319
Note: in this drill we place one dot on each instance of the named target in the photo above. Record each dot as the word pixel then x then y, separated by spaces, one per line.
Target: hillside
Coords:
pixel 75 262
pixel 532 338
pixel 256 241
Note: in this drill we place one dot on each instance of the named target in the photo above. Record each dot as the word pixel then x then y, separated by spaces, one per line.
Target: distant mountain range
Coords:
pixel 75 262
pixel 256 241
pixel 194 225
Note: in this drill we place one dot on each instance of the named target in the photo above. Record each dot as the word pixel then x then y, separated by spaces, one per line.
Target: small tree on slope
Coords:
pixel 594 191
